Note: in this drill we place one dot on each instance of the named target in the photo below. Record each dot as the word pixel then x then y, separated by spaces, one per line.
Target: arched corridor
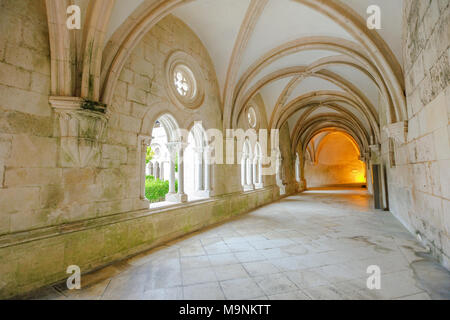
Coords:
pixel 126 126
pixel 316 245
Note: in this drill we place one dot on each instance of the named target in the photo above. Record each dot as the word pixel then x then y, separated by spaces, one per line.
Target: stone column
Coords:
pixel 259 178
pixel 145 143
pixel 199 169
pixel 280 176
pixel 157 170
pixel 172 159
pixel 181 195
pixel 207 155
pixel 369 178
pixel 249 166
pixel 161 171
pixel 243 170
pixel 174 149
pixel 255 171
pixel 278 172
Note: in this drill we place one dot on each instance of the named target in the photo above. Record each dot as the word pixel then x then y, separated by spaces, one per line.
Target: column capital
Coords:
pixel 176 145
pixel 80 130
pixel 208 149
pixel 199 149
pixel 145 140
pixel 60 103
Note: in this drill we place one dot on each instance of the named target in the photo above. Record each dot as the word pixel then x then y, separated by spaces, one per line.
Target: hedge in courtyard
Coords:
pixel 156 190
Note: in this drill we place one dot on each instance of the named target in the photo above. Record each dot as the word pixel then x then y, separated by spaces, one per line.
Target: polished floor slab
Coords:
pixel 315 245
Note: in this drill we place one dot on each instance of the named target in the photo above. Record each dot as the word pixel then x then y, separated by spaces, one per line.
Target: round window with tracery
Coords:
pixel 251 116
pixel 184 82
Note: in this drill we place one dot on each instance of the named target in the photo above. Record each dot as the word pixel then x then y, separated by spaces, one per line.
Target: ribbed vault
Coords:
pixel 111 32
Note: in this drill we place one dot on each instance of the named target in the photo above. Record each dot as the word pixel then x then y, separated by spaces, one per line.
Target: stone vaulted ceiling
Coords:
pixel 314 62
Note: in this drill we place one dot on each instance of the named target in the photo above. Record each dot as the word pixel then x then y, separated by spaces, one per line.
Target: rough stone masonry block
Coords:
pixel 432 116
pixel 18 177
pixel 142 82
pixel 5 146
pixel 440 74
pixel 444 166
pixel 46 260
pixel 130 124
pixel 30 151
pixel 24 101
pixel 2 173
pixel 40 83
pixel 413 128
pixel 442 143
pixel 28 59
pixel 127 76
pixel 137 95
pixel 434 179
pixel 114 152
pixel 446 216
pixel 418 71
pixel 79 176
pixel 431 17
pixel 18 199
pixel 425 149
pixel 14 77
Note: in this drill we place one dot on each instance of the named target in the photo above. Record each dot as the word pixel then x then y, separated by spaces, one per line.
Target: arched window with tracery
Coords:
pixel 197 164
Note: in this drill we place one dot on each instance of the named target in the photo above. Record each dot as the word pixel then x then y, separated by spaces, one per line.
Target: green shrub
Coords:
pixel 156 190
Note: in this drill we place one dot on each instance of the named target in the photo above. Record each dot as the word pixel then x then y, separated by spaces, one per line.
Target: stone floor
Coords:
pixel 316 245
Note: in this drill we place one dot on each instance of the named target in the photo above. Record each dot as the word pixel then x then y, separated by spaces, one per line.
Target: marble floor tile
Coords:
pixel 307 278
pixel 315 245
pixel 205 291
pixel 275 284
pixel 223 259
pixel 230 272
pixel 241 289
pixel 197 276
pixel 260 268
pixel 164 294
pixel 294 295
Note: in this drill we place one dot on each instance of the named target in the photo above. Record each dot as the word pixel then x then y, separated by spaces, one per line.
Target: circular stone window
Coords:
pixel 184 80
pixel 251 116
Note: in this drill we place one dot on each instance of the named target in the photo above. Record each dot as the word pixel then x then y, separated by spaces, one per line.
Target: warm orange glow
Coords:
pixel 359 175
pixel 336 160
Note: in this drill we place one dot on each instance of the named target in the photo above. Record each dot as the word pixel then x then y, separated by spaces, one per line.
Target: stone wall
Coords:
pixel 418 183
pixel 27 146
pixel 41 257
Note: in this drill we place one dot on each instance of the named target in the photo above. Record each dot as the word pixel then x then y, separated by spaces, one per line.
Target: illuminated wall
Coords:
pixel 334 160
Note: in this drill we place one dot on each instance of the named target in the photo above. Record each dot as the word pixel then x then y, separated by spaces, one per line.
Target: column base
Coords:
pixel 259 186
pixel 203 194
pixel 249 187
pixel 142 204
pixel 176 197
pixel 301 186
pixel 282 189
